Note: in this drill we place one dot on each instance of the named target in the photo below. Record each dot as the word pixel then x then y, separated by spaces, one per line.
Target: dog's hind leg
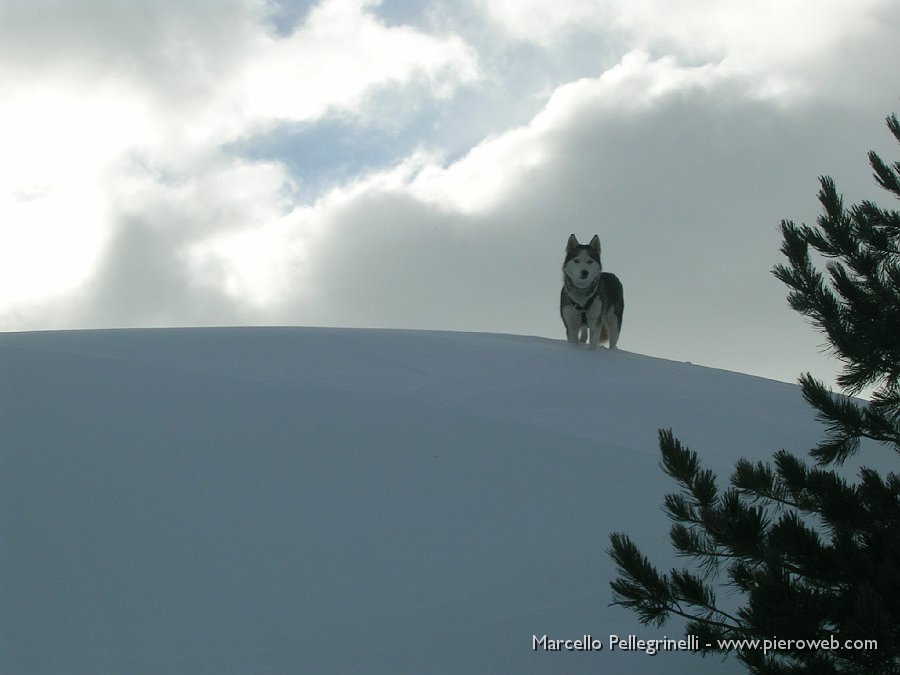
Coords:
pixel 612 328
pixel 604 335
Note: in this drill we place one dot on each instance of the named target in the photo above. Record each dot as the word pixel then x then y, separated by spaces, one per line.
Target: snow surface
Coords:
pixel 296 500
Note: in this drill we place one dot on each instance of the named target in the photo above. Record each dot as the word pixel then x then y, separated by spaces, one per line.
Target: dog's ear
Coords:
pixel 572 243
pixel 595 243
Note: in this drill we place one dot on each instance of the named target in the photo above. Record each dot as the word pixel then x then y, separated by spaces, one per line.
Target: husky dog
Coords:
pixel 591 302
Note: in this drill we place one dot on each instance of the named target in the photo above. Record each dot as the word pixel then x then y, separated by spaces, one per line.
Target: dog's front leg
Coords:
pixel 571 320
pixel 595 336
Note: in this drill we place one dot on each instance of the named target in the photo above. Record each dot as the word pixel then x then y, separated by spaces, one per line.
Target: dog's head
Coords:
pixel 582 264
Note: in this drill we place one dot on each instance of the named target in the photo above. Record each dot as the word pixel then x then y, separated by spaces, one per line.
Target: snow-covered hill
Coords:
pixel 344 501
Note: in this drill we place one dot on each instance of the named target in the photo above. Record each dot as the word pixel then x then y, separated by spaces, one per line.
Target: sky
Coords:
pixel 420 165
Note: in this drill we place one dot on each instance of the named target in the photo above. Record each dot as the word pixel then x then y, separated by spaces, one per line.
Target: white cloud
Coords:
pixel 504 163
pixel 781 43
pixel 132 102
pixel 543 21
pixel 56 143
pixel 338 55
pixel 763 34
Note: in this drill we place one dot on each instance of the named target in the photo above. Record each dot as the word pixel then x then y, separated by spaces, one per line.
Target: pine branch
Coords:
pixel 758 482
pixel 653 597
pixel 639 586
pixel 683 465
pixel 690 543
pixel 691 590
pixel 886 176
pixel 846 423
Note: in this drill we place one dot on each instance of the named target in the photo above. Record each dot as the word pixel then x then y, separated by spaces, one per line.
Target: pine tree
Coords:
pixel 811 554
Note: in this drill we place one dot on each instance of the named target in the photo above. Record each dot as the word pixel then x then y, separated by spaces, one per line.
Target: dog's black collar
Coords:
pixel 583 308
